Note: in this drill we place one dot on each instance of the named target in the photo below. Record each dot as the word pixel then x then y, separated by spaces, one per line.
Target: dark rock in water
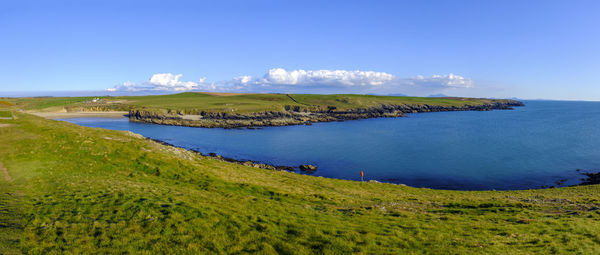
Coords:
pixel 592 178
pixel 285 168
pixel 308 168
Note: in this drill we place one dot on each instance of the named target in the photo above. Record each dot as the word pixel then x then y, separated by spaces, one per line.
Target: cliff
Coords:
pixel 301 115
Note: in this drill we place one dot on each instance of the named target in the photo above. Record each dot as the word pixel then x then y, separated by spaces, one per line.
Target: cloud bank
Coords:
pixel 325 77
pixel 160 82
pixel 279 80
pixel 450 80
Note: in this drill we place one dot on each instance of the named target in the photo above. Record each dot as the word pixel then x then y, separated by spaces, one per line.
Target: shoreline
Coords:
pixel 292 117
pixel 589 177
pixel 251 163
pixel 592 178
pixel 67 115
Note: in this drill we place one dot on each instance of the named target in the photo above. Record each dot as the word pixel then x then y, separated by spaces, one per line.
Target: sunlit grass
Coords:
pixel 86 190
pixel 5 114
pixel 194 103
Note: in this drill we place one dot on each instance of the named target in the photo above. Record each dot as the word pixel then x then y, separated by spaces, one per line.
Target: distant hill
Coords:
pixel 397 95
pixel 438 95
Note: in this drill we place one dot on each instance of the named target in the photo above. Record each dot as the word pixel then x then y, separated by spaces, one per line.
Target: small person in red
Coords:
pixel 362 176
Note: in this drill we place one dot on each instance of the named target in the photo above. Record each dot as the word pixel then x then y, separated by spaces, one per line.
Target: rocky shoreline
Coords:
pixel 303 168
pixel 591 178
pixel 299 115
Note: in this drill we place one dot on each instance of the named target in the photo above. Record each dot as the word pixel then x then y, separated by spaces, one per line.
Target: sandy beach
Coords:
pixel 62 115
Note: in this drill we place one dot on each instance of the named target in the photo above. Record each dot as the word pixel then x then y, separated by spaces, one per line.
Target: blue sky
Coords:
pixel 525 49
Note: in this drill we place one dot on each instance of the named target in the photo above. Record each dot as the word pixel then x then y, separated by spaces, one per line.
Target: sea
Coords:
pixel 543 144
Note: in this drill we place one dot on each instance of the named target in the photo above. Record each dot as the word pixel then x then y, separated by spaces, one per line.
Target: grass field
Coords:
pixel 5 114
pixel 191 102
pixel 39 103
pixel 84 190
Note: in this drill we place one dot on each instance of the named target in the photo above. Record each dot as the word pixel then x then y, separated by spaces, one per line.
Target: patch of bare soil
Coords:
pixel 5 172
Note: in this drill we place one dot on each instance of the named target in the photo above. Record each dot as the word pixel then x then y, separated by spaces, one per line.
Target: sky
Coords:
pixel 523 49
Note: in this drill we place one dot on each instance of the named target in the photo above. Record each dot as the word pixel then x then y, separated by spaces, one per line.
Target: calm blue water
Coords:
pixel 528 147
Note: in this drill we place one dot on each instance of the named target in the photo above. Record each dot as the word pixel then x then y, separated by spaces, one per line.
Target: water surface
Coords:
pixel 528 147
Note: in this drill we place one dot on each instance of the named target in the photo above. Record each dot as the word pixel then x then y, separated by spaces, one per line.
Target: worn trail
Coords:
pixel 10 216
pixel 5 172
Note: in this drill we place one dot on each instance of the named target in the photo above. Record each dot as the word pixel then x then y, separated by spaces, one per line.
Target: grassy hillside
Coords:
pixel 74 189
pixel 40 103
pixel 191 102
pixel 5 114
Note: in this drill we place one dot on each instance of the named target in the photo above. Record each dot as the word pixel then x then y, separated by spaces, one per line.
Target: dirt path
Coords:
pixel 5 172
pixel 288 95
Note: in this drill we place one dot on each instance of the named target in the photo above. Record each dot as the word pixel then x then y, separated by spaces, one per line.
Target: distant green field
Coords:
pixel 86 190
pixel 38 103
pixel 191 102
pixel 277 102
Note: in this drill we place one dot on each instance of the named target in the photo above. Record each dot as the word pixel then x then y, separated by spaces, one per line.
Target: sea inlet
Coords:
pixel 542 144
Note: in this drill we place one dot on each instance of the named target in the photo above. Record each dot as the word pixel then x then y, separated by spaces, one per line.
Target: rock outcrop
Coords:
pixel 300 116
pixel 249 163
pixel 592 178
pixel 308 168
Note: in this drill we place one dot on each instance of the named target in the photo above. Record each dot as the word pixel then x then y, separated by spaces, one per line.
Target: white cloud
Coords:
pixel 244 79
pixel 450 80
pixel 325 77
pixel 161 82
pixel 168 81
pixel 125 86
pixel 279 80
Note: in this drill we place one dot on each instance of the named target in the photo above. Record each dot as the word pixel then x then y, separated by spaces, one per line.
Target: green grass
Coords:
pixel 39 103
pixel 87 190
pixel 195 103
pixel 188 102
pixel 5 114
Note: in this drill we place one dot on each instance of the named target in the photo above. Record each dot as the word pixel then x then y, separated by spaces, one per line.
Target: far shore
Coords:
pixel 64 115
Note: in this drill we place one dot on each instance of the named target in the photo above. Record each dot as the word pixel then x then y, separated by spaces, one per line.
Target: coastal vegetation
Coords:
pixel 247 110
pixel 5 114
pixel 73 189
pixel 194 102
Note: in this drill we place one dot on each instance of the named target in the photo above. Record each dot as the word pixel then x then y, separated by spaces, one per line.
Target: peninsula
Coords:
pixel 231 110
